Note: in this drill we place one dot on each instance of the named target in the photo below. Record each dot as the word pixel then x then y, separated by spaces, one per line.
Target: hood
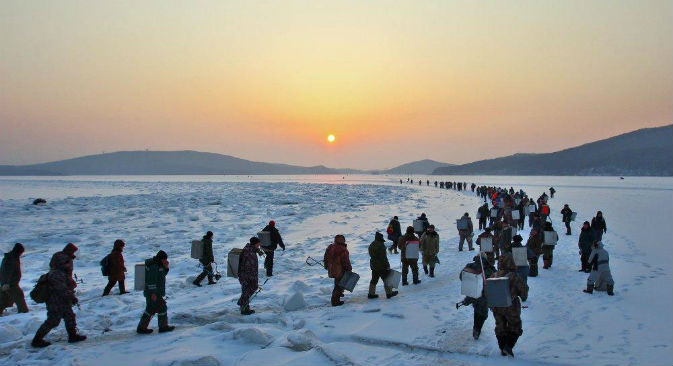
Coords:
pixel 18 249
pixel 70 250
pixel 378 237
pixel 62 263
pixel 118 245
pixel 506 263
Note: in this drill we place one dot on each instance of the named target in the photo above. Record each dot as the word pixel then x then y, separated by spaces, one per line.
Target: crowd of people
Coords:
pixel 503 213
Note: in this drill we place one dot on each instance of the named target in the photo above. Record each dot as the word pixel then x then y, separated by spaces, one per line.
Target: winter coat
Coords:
pixel 600 275
pixel 248 267
pixel 535 244
pixel 337 260
pixel 470 227
pixel 208 256
pixel 155 278
pixel 598 225
pixel 484 212
pixel 68 253
pixel 10 269
pixel 276 239
pixel 397 230
pixel 116 260
pixel 429 246
pixel 567 214
pixel 586 241
pixel 378 259
pixel 61 285
pixel 402 244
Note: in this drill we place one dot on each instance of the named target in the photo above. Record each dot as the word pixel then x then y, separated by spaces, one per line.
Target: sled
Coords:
pixel 197 249
pixel 349 280
pixel 139 278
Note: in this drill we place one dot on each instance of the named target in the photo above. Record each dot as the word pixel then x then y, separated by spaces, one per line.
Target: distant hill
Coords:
pixel 426 166
pixel 644 152
pixel 161 163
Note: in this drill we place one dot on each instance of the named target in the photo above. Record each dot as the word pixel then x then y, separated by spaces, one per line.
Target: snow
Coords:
pixel 294 324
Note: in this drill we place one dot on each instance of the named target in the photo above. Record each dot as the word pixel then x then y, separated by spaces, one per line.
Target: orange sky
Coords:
pixel 394 81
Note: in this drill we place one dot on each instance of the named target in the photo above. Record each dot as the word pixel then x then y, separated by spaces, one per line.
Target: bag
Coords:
pixel 471 284
pixel 105 265
pixel 265 238
pixel 497 292
pixel 531 209
pixel 550 238
pixel 40 293
pixel 139 278
pixel 462 224
pixel 392 279
pixel 390 230
pixel 516 215
pixel 197 249
pixel 545 210
pixel 418 226
pixel 478 215
pixel 349 280
pixel 494 213
pixel 411 251
pixel 520 255
pixel 232 262
pixel 573 216
pixel 486 244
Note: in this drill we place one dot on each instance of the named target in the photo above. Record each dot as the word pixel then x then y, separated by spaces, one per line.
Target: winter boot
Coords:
pixel 589 289
pixel 197 282
pixel 122 288
pixel 501 345
pixel 38 340
pixel 547 263
pixel 476 333
pixel 611 289
pixel 432 272
pixel 391 294
pixel 338 303
pixel 404 280
pixel 372 292
pixel 163 324
pixel 143 324
pixel 425 269
pixel 73 337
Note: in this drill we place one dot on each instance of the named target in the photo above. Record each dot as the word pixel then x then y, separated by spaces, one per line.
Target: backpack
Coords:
pixel 40 293
pixel 105 265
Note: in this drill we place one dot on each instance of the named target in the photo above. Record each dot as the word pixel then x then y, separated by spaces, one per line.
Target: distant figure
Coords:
pixel 61 298
pixel 599 226
pixel 585 245
pixel 426 223
pixel 206 260
pixel 117 268
pixel 337 262
pixel 39 201
pixel 10 276
pixel 483 212
pixel 600 278
pixel 248 274
pixel 567 214
pixel 394 232
pixel 429 247
pixel 408 262
pixel 551 192
pixel 480 304
pixel 276 241
pixel 378 263
pixel 466 233
pixel 156 269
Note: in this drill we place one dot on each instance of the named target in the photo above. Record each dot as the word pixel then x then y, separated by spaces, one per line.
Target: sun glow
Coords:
pixel 330 138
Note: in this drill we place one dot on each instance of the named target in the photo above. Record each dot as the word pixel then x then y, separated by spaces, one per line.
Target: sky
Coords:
pixel 394 81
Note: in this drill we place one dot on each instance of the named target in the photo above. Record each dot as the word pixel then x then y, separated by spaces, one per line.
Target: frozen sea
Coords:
pixel 562 325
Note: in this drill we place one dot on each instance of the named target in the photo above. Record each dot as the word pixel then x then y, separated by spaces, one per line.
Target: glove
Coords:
pixel 5 287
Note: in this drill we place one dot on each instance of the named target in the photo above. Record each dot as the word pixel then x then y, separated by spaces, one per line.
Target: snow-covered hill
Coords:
pixel 420 326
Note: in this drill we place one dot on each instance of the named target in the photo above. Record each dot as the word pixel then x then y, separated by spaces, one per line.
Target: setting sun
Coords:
pixel 331 138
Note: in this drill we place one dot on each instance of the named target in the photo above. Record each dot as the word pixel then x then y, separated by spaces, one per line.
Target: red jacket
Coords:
pixel 337 260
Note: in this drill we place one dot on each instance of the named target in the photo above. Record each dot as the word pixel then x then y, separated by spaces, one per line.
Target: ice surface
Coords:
pixel 420 326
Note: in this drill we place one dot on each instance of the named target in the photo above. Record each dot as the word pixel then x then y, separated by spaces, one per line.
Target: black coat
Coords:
pixel 598 225
pixel 10 269
pixel 586 241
